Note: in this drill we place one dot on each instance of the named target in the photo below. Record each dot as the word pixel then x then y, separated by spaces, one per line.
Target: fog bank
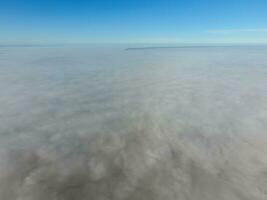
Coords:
pixel 80 123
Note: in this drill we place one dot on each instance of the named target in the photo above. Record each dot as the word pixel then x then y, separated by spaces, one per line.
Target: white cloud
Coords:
pixel 229 31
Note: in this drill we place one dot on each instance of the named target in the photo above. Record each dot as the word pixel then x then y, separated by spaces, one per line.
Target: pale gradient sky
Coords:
pixel 125 21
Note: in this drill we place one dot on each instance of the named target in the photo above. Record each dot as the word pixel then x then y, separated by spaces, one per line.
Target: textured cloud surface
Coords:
pixel 107 124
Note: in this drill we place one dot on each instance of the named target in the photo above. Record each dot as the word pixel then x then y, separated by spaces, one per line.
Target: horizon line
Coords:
pixel 159 44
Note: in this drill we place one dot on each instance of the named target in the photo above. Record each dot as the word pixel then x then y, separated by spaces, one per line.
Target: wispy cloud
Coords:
pixel 229 31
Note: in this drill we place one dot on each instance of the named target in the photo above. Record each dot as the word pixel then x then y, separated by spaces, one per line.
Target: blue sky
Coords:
pixel 133 21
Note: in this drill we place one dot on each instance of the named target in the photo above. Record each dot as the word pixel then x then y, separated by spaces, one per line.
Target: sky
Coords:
pixel 132 21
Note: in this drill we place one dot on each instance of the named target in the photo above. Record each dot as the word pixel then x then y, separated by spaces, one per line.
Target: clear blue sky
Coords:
pixel 144 21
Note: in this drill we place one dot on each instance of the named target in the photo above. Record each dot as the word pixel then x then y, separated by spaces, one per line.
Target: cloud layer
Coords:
pixel 108 124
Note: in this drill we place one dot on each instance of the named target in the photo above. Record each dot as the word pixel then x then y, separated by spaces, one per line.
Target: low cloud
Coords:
pixel 109 124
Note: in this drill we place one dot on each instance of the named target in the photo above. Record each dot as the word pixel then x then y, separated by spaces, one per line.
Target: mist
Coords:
pixel 109 123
